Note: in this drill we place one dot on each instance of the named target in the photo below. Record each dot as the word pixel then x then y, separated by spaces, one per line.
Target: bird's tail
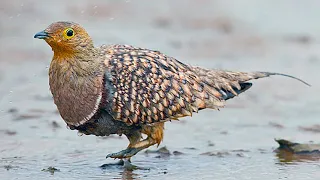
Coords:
pixel 267 74
pixel 229 83
pixel 244 85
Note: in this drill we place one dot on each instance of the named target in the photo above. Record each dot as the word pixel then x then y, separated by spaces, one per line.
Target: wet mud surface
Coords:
pixel 236 142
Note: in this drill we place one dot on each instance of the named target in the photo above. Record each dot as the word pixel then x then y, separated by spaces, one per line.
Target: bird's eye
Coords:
pixel 68 33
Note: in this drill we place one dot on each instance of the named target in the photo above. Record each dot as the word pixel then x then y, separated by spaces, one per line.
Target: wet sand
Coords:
pixel 234 143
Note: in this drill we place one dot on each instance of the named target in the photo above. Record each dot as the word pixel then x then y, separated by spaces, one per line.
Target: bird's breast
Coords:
pixel 77 98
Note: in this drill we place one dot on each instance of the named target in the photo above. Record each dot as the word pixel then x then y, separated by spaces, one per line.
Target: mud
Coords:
pixel 236 142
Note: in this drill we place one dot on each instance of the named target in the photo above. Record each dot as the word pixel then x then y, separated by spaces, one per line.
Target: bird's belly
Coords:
pixel 103 124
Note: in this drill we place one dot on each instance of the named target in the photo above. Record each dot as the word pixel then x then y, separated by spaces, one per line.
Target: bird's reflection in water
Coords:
pixel 126 169
pixel 129 175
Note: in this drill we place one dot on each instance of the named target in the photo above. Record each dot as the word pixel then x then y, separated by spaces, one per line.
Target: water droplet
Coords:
pixel 18 15
pixel 10 91
pixel 111 18
pixel 95 7
pixel 82 11
pixel 22 4
pixel 10 102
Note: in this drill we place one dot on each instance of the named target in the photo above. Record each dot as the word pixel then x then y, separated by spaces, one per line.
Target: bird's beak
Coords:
pixel 41 35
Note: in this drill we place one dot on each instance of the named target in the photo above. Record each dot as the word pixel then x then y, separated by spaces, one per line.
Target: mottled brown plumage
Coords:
pixel 121 89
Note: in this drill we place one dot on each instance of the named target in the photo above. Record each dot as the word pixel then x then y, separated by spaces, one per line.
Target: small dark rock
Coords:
pixel 218 154
pixel 210 144
pixel 224 132
pixel 177 153
pixel 240 155
pixel 161 151
pixel 8 167
pixel 240 150
pixel 13 110
pixel 10 133
pixel 51 169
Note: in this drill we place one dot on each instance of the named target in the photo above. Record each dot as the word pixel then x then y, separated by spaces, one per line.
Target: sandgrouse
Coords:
pixel 121 89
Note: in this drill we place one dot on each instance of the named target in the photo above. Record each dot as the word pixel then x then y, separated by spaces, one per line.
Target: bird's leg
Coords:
pixel 134 137
pixel 132 150
pixel 155 135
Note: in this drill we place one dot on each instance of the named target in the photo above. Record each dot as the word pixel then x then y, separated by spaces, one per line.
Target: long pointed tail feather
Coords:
pixel 286 75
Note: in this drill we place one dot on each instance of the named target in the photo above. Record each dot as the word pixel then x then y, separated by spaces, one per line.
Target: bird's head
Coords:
pixel 66 38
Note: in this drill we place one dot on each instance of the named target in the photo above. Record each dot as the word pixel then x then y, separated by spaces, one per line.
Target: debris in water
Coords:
pixel 163 152
pixel 218 154
pixel 8 167
pixel 224 132
pixel 210 143
pixel 51 169
pixel 13 110
pixel 10 133
pixel 177 153
pixel 240 150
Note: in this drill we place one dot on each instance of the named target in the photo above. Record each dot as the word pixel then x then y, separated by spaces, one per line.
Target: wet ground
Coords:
pixel 234 143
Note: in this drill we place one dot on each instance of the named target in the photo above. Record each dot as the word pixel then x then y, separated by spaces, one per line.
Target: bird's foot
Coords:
pixel 127 153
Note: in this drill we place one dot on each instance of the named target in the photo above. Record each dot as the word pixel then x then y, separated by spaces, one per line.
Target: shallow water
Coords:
pixel 234 143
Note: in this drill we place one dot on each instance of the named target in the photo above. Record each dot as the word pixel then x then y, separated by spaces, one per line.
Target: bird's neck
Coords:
pixel 80 63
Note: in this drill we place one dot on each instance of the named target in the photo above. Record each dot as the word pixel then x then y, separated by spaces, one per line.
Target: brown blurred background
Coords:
pixel 248 35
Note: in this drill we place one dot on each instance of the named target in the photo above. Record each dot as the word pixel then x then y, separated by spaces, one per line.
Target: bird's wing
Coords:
pixel 148 87
pixel 145 86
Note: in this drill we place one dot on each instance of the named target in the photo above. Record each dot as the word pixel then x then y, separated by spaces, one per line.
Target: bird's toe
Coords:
pixel 127 153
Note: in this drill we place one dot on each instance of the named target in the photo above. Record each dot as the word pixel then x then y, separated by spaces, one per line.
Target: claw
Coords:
pixel 127 153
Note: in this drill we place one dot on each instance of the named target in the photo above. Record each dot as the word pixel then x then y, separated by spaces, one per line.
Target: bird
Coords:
pixel 122 89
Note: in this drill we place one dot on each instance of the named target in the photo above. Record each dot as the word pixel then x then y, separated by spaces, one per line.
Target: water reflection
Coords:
pixel 129 175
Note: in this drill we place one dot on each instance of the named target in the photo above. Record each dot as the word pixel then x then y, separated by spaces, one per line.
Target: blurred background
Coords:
pixel 234 143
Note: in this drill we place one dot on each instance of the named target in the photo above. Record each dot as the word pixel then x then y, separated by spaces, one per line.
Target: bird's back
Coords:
pixel 147 86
